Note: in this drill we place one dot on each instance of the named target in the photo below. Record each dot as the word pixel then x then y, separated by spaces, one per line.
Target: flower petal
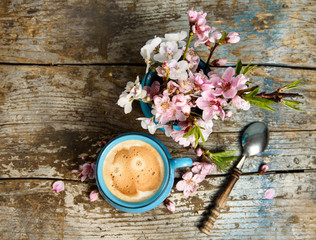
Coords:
pixel 187 175
pixel 94 195
pixel 181 185
pixel 58 186
pixel 269 194
pixel 228 74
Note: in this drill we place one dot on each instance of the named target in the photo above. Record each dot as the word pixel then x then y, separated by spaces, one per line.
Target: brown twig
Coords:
pixel 276 96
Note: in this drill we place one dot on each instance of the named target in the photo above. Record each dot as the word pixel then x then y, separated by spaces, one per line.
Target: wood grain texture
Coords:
pixel 50 116
pixel 78 31
pixel 84 52
pixel 29 209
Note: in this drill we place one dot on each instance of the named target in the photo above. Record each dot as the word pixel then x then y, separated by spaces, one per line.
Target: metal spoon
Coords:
pixel 254 140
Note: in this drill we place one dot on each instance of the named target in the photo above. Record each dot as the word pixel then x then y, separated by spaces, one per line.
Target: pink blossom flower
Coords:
pixel 199 152
pixel 163 70
pixel 199 78
pixel 193 59
pixel 86 171
pixel 211 105
pixel 190 183
pixel 58 186
pixel 227 84
pixel 269 194
pixel 181 103
pixel 197 22
pixel 263 169
pixel 163 108
pixel 172 87
pixel 170 205
pixel 240 103
pixel 185 85
pixel 178 135
pixel 192 16
pixel 209 39
pixel 202 168
pixel 232 37
pixel 94 195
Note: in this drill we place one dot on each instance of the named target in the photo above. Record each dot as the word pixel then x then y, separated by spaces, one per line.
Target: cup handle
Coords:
pixel 180 162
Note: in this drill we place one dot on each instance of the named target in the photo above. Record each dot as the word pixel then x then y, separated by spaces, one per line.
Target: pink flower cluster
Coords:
pixel 86 171
pixel 206 34
pixel 191 180
pixel 186 95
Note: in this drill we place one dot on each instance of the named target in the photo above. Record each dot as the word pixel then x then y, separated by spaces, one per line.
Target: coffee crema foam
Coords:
pixel 133 170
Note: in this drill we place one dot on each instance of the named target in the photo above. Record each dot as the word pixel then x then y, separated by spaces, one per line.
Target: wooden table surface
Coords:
pixel 63 65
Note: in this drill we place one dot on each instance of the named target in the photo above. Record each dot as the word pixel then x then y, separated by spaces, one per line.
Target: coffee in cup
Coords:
pixel 133 170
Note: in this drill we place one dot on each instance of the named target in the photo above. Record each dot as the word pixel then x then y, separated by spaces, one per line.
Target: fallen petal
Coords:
pixel 94 195
pixel 269 194
pixel 170 205
pixel 58 186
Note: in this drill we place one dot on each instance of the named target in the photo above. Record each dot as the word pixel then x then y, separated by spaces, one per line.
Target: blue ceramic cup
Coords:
pixel 162 193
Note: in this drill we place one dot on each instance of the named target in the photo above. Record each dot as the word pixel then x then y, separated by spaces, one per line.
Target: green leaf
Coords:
pixel 292 104
pixel 203 140
pixel 225 154
pixel 248 68
pixel 258 101
pixel 262 103
pixel 293 85
pixel 251 94
pixel 221 40
pixel 221 159
pixel 189 133
pixel 196 139
pixel 238 67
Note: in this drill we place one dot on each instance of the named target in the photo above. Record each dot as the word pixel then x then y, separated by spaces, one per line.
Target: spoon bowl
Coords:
pixel 255 138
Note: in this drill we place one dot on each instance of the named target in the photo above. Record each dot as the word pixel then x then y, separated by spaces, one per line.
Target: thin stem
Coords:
pixel 209 57
pixel 188 44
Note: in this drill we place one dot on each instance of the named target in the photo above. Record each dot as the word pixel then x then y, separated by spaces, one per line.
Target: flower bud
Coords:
pixel 263 169
pixel 192 15
pixel 232 37
pixel 170 205
pixel 199 152
pixel 219 62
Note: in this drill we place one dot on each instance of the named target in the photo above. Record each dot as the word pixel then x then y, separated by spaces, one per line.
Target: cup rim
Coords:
pixel 99 169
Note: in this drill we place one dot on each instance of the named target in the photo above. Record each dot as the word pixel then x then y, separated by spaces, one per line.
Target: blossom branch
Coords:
pixel 209 57
pixel 277 96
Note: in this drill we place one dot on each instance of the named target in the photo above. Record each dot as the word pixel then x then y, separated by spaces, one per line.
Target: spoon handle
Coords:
pixel 220 202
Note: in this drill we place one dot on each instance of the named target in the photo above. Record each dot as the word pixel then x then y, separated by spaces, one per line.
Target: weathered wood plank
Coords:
pixel 54 32
pixel 29 209
pixel 39 151
pixel 78 97
pixel 50 116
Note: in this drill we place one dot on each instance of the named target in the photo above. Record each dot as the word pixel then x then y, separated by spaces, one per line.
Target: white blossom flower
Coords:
pixel 148 123
pixel 168 51
pixel 176 37
pixel 178 70
pixel 125 101
pixel 147 51
pixel 132 91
